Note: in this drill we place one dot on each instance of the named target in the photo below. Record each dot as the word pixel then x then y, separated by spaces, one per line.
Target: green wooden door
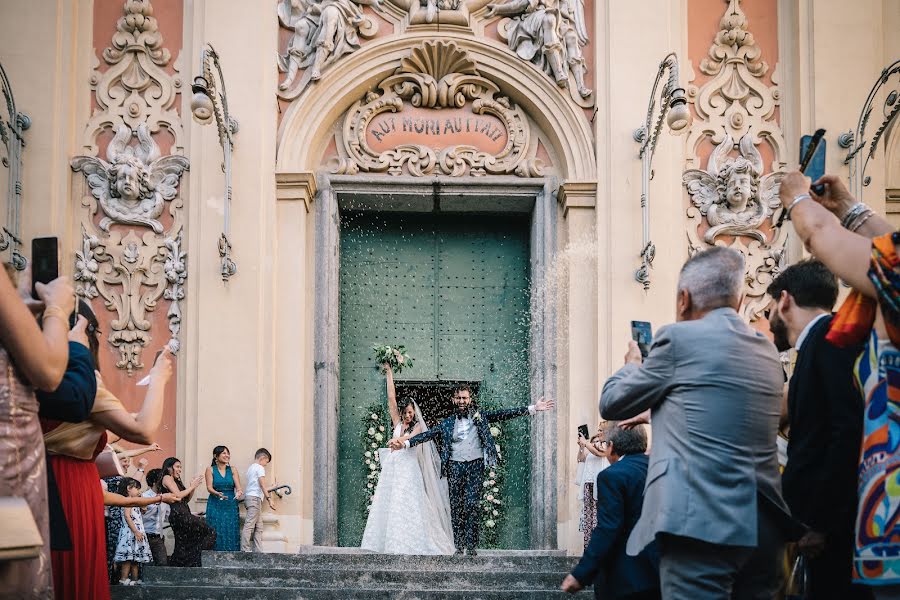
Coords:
pixel 454 290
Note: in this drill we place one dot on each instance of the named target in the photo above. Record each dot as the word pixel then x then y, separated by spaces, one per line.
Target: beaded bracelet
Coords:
pixel 859 223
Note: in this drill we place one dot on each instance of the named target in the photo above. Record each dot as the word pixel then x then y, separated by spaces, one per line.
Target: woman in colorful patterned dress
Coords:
pixel 861 248
pixel 224 487
pixel 30 357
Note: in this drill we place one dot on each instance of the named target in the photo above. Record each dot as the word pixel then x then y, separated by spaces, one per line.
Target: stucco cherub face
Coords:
pixel 128 180
pixel 738 191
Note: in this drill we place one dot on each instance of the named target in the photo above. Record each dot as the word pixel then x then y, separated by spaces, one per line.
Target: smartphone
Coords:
pixel 643 335
pixel 44 261
pixel 815 165
pixel 583 430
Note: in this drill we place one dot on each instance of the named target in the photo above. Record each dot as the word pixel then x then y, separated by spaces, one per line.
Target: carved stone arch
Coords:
pixel 302 136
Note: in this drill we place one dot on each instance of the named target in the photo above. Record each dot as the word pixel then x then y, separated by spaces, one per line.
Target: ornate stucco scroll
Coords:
pixel 132 222
pixel 734 200
pixel 442 78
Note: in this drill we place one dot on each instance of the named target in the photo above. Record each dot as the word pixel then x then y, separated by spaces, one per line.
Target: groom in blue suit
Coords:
pixel 467 446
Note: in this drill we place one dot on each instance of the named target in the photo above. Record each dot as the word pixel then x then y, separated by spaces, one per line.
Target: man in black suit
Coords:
pixel 825 415
pixel 620 496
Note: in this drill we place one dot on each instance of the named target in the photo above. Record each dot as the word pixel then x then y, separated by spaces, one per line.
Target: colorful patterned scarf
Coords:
pixel 856 317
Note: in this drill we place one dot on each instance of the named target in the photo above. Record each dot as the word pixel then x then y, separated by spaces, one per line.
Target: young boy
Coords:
pixel 254 492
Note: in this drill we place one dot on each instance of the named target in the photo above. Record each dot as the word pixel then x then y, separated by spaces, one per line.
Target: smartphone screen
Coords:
pixel 583 430
pixel 643 335
pixel 816 167
pixel 44 261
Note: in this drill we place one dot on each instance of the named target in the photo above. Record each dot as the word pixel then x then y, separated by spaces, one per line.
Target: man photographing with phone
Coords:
pixel 714 389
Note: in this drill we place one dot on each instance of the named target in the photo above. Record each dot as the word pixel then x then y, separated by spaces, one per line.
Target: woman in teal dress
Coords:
pixel 224 487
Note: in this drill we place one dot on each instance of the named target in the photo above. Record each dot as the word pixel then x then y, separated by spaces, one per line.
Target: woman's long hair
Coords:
pixel 93 330
pixel 216 452
pixel 168 469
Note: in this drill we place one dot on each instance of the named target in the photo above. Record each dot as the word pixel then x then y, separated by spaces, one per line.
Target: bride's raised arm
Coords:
pixel 392 395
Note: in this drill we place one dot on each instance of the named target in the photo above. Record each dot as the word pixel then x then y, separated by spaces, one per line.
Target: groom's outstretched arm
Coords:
pixel 504 414
pixel 424 437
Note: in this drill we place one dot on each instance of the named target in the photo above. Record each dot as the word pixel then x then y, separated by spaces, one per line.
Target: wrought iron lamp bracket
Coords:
pixel 856 142
pixel 672 110
pixel 210 102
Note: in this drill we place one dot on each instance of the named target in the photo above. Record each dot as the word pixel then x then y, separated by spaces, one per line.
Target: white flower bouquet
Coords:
pixel 395 356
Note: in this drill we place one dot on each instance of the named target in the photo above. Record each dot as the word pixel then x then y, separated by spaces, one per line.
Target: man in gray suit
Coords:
pixel 714 388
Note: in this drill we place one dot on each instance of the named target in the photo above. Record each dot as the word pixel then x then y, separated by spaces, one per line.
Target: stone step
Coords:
pixel 155 592
pixel 494 561
pixel 410 578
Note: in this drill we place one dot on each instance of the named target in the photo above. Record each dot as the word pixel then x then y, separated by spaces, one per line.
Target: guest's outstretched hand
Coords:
pixel 542 405
pixel 169 498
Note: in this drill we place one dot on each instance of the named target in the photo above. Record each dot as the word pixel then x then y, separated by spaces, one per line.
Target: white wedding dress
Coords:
pixel 410 513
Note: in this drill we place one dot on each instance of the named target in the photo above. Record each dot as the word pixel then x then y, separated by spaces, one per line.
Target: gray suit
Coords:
pixel 715 389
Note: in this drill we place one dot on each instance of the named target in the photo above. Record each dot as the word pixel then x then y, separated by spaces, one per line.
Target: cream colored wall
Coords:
pixel 236 358
pixel 627 66
pixel 45 48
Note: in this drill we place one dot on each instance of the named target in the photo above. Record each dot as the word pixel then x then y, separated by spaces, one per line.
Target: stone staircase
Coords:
pixel 336 574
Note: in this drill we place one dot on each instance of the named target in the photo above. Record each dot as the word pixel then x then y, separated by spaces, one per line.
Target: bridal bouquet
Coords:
pixel 395 356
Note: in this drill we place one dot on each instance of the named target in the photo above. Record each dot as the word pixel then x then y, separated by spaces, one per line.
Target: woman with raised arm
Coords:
pixel 860 247
pixel 410 512
pixel 30 357
pixel 72 448
pixel 192 534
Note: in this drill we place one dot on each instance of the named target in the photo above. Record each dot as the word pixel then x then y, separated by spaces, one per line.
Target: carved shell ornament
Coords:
pixel 731 194
pixel 134 183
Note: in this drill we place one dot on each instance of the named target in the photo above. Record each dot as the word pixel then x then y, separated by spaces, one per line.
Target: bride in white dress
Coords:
pixel 410 511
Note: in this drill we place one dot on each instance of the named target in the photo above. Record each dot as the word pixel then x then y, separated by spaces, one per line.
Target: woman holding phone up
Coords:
pixel 592 458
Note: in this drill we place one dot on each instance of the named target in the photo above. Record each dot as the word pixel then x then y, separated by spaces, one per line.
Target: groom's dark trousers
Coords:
pixel 466 480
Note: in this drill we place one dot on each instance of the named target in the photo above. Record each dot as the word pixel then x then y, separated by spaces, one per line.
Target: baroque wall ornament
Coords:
pixel 323 32
pixel 734 200
pixel 131 251
pixel 551 34
pixel 445 117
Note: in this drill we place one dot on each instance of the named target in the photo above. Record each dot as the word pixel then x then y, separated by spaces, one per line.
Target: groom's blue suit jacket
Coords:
pixel 444 431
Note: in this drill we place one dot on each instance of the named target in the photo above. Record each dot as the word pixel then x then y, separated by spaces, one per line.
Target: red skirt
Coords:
pixel 80 573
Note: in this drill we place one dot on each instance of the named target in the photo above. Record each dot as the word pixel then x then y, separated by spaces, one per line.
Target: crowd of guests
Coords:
pixel 60 429
pixel 708 513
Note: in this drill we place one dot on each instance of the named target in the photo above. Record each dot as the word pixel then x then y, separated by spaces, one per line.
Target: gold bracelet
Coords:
pixel 55 311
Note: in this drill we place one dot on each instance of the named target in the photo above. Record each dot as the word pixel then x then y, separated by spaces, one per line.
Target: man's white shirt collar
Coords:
pixel 802 337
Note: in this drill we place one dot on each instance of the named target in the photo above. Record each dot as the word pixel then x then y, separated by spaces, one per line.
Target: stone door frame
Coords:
pixel 536 197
